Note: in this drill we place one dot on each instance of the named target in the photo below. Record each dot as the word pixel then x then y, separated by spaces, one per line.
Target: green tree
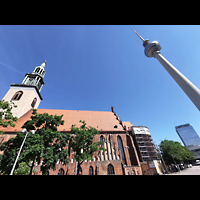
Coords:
pixel 23 169
pixel 6 117
pixel 174 151
pixel 82 143
pixel 47 144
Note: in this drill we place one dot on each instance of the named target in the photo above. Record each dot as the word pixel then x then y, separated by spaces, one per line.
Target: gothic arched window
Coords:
pixel 33 102
pixel 61 171
pixel 37 70
pixel 120 146
pixel 102 139
pixel 91 171
pixel 80 171
pixel 110 170
pixel 17 96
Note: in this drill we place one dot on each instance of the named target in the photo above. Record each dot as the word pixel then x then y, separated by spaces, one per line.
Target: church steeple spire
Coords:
pixel 35 78
pixel 26 95
pixel 43 64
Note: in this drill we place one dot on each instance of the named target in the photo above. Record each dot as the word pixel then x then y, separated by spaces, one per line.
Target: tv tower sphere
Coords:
pixel 152 49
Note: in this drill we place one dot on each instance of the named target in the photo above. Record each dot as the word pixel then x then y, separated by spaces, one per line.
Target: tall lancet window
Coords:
pixel 120 146
pixel 91 171
pixel 102 139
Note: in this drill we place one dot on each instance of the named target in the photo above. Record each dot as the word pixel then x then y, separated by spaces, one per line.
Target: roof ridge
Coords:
pixel 77 110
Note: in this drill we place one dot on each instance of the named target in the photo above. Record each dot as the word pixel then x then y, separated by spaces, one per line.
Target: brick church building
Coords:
pixel 121 156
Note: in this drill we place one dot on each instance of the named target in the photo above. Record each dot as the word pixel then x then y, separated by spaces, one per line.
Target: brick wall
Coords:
pixel 101 159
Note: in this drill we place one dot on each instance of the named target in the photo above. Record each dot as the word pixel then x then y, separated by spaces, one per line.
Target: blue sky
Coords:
pixel 94 67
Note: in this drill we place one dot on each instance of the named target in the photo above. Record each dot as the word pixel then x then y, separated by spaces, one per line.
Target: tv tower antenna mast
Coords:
pixel 152 49
pixel 138 35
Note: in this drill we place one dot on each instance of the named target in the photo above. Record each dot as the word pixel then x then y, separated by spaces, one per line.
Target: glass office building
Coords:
pixel 188 135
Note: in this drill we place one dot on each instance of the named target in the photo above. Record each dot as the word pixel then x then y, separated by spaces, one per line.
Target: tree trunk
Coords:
pixel 31 171
pixel 78 168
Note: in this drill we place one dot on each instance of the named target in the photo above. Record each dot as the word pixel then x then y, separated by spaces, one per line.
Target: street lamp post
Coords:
pixel 23 131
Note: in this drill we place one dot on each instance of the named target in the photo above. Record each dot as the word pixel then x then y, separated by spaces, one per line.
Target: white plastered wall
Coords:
pixel 24 104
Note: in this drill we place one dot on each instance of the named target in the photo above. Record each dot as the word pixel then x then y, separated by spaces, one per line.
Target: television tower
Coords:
pixel 152 49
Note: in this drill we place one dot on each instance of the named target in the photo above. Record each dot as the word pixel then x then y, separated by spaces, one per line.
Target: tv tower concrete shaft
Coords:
pixel 152 49
pixel 187 86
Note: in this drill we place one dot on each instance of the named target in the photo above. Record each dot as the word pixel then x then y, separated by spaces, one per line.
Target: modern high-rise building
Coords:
pixel 188 135
pixel 190 139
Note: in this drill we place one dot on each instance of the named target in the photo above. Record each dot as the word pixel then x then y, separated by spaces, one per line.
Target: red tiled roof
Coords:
pixel 128 124
pixel 101 120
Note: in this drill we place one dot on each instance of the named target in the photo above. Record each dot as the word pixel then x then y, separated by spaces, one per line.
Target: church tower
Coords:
pixel 27 94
